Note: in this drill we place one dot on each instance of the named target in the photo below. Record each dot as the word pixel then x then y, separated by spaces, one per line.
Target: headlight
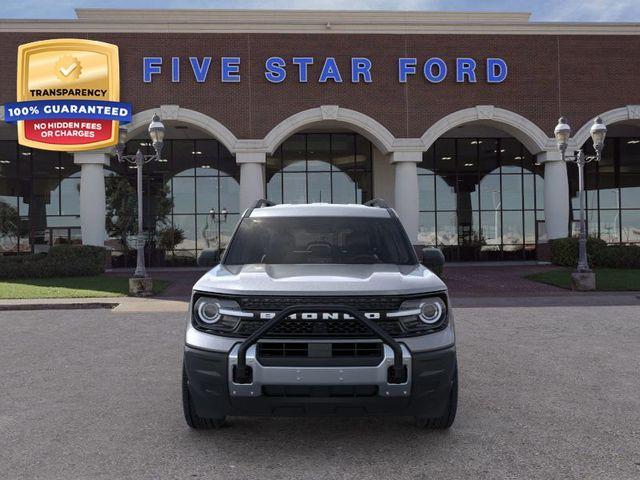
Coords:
pixel 208 310
pixel 217 314
pixel 432 311
pixel 422 314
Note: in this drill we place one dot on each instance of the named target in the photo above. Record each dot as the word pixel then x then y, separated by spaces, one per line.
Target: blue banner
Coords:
pixel 67 109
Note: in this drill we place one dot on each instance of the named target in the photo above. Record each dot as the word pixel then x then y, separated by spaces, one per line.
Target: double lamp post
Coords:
pixel 141 284
pixel 583 278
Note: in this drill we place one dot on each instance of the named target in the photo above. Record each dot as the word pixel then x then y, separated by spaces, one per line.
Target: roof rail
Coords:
pixel 263 202
pixel 377 202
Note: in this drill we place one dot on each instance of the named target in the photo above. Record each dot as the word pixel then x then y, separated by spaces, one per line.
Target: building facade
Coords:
pixel 448 116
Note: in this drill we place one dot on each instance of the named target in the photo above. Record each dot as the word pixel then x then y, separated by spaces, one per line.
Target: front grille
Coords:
pixel 318 328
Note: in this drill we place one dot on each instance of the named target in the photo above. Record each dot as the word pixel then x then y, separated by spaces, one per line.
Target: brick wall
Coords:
pixel 578 76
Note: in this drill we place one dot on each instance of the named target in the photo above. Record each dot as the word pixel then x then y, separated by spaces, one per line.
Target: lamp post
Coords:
pixel 156 133
pixel 562 133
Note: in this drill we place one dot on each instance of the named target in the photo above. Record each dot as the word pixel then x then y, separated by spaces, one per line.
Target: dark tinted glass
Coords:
pixel 312 240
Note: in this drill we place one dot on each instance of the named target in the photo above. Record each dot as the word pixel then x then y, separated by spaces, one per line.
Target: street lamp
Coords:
pixel 562 133
pixel 156 133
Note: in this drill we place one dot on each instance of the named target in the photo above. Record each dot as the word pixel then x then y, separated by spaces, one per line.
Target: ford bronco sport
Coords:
pixel 320 310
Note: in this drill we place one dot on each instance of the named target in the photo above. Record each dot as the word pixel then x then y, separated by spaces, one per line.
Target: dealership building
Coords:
pixel 447 116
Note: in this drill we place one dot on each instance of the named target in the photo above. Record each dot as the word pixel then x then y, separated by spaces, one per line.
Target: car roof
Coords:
pixel 320 210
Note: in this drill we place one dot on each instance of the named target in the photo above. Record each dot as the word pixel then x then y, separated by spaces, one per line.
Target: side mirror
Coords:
pixel 433 259
pixel 209 257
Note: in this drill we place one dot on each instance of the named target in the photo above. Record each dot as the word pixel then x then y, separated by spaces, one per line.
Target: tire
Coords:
pixel 446 420
pixel 191 417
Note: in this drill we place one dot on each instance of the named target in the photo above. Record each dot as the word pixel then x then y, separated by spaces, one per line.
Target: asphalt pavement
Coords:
pixel 549 392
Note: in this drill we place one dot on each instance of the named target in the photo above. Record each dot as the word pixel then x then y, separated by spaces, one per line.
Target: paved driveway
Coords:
pixel 545 393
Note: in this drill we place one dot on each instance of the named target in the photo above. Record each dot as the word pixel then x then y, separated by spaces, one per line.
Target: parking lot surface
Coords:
pixel 546 393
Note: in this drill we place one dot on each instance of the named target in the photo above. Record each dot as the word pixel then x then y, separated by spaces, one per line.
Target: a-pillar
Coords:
pixel 92 195
pixel 556 194
pixel 251 177
pixel 406 190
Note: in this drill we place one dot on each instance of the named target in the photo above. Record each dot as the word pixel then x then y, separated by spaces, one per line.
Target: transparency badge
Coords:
pixel 68 95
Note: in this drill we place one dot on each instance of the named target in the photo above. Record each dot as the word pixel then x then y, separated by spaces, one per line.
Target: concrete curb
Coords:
pixel 56 306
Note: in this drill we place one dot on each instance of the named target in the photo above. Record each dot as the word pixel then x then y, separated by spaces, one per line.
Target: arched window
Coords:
pixel 320 167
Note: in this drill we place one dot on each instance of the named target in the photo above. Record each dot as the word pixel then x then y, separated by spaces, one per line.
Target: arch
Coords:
pixel 382 138
pixel 527 132
pixel 141 120
pixel 629 112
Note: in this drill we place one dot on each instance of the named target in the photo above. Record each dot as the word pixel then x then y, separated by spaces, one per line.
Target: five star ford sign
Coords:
pixel 68 95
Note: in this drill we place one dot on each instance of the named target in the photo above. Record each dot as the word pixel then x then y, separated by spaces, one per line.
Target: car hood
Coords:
pixel 325 279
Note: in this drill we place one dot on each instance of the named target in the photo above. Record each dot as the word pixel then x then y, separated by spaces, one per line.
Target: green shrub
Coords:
pixel 618 256
pixel 564 252
pixel 61 261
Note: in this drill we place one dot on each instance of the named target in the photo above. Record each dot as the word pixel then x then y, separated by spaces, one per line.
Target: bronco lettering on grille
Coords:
pixel 320 316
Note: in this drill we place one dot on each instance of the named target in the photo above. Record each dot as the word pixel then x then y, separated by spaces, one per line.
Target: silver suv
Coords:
pixel 320 310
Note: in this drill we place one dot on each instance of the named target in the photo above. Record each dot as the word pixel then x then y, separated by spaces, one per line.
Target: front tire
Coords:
pixel 191 417
pixel 446 420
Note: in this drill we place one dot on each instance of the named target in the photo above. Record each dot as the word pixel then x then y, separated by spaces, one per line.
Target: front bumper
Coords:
pixel 425 393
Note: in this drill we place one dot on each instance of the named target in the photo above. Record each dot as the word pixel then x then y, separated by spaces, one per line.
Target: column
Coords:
pixel 406 190
pixel 251 177
pixel 93 209
pixel 556 194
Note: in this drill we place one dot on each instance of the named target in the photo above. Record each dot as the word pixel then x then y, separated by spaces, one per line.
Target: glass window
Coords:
pixel 321 167
pixel 182 160
pixel 488 156
pixel 630 226
pixel 447 228
pixel 183 195
pixel 629 155
pixel 630 190
pixel 320 186
pixel 8 159
pixel 427 228
pixel 294 187
pixel 445 156
pixel 445 194
pixel 467 154
pixel 512 192
pixel 274 188
pixel 319 153
pixel 45 163
pixel 490 195
pixel 343 153
pixel 512 228
pixel 294 153
pixel 609 226
pixel 206 195
pixel 426 194
pixel 70 196
pixel 511 155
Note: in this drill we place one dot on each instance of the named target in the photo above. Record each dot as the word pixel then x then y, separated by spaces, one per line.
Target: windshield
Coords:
pixel 338 240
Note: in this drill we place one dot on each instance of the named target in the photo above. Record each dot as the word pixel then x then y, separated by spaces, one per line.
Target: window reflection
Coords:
pixel 480 198
pixel 612 191
pixel 320 167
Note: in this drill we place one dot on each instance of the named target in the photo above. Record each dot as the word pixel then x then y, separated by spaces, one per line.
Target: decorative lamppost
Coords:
pixel 210 230
pixel 156 133
pixel 583 278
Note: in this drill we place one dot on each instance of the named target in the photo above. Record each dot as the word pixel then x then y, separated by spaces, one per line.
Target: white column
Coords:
pixel 93 208
pixel 251 177
pixel 406 190
pixel 556 194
